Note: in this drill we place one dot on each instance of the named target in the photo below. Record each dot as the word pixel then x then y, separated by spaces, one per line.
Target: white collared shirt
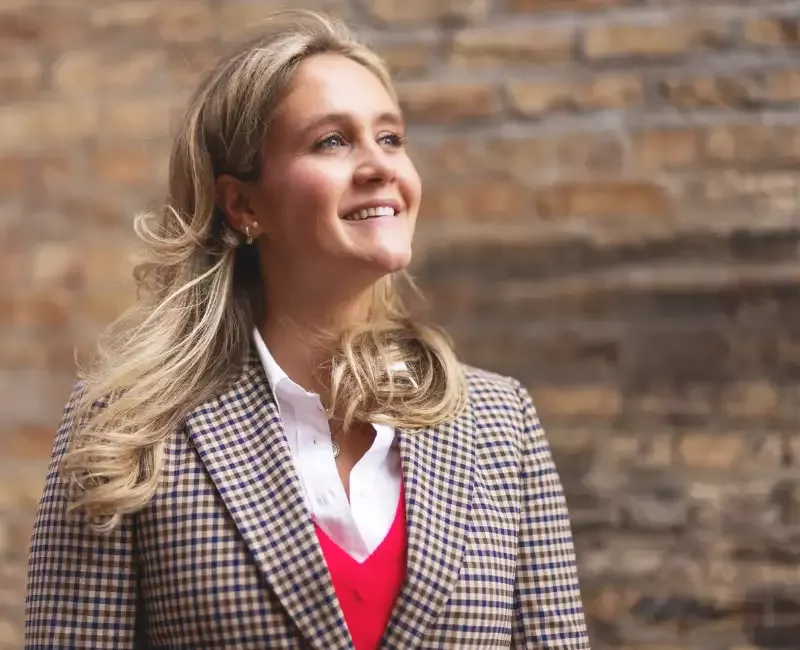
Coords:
pixel 360 525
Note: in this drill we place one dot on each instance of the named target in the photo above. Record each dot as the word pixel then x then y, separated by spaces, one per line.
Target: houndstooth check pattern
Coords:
pixel 226 556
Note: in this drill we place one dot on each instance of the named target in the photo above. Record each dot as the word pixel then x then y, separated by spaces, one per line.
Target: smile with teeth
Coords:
pixel 368 213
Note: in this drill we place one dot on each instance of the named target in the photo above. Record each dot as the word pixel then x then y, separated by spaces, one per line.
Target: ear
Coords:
pixel 235 199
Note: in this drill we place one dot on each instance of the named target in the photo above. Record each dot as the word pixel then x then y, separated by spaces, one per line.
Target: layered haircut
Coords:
pixel 200 293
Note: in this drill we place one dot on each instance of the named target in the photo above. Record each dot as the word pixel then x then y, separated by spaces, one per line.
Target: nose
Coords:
pixel 375 167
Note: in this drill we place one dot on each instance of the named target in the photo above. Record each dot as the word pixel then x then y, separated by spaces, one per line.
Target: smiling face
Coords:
pixel 338 196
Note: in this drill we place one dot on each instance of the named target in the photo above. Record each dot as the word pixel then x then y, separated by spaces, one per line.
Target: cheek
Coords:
pixel 411 187
pixel 310 187
pixel 306 196
pixel 411 183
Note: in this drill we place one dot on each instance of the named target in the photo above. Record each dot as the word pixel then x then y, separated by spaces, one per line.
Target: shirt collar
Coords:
pixel 275 374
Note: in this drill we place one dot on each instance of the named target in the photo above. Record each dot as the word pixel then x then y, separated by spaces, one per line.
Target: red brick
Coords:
pixel 237 20
pixel 777 32
pixel 185 64
pixel 729 91
pixel 103 307
pixel 140 118
pixel 27 443
pixel 17 5
pixel 570 439
pixel 787 144
pixel 773 193
pixel 510 155
pixel 532 98
pixel 50 125
pixel 18 535
pixel 656 450
pixel 407 58
pixel 47 310
pixel 109 268
pixel 15 269
pixel 21 489
pixel 93 70
pixel 756 399
pixel 608 604
pixel 55 27
pixel 702 450
pixel 20 78
pixel 123 165
pixel 782 86
pixel 13 576
pixel 590 152
pixel 578 152
pixel 56 265
pixel 666 148
pixel 97 214
pixel 184 21
pixel 660 39
pixel 574 401
pixel 764 452
pixel 604 199
pixel 51 174
pixel 448 103
pixel 392 12
pixel 492 47
pixel 131 14
pixel 447 157
pixel 12 633
pixel 740 143
pixel 480 199
pixel 540 6
pixel 13 176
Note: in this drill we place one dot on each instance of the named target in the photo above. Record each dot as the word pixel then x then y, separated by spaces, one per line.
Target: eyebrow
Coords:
pixel 331 118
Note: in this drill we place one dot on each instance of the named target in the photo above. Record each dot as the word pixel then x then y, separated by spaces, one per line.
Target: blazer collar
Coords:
pixel 438 466
pixel 240 439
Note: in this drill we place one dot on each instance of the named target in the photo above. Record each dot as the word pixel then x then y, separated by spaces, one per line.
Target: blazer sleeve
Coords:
pixel 549 612
pixel 81 590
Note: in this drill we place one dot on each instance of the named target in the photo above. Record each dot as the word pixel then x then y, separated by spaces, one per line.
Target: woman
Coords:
pixel 269 451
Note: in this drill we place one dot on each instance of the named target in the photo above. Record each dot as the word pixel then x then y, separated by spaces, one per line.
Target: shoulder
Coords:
pixel 485 385
pixel 504 428
pixel 496 398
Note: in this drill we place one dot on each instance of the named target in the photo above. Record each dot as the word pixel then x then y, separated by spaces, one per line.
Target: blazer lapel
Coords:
pixel 438 466
pixel 240 439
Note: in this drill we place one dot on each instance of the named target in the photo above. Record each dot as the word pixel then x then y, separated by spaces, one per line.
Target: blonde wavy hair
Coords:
pixel 200 293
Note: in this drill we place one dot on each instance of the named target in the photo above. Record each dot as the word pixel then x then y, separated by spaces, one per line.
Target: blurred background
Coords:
pixel 610 215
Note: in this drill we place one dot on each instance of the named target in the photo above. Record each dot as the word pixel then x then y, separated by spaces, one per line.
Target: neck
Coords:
pixel 299 331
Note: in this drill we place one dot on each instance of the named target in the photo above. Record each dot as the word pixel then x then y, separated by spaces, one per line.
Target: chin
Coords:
pixel 387 262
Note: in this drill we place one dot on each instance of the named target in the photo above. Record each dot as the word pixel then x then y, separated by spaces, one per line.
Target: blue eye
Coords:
pixel 329 142
pixel 393 139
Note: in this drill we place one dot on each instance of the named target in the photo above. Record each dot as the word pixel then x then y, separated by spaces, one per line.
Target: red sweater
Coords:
pixel 367 591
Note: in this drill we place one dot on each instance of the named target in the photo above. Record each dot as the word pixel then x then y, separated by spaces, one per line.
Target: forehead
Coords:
pixel 332 83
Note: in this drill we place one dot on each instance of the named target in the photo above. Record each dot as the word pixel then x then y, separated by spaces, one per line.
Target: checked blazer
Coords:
pixel 226 556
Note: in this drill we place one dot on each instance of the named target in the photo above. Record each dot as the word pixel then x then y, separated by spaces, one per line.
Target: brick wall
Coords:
pixel 610 215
